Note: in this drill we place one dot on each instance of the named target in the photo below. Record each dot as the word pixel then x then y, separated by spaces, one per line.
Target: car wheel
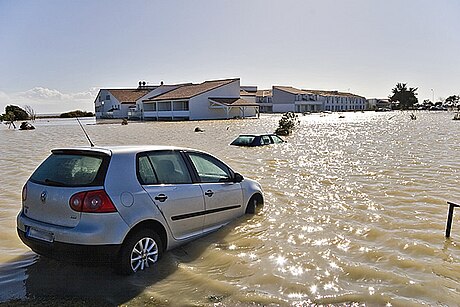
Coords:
pixel 252 205
pixel 139 252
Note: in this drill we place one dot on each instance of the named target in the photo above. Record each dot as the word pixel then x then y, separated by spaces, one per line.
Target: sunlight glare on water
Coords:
pixel 355 211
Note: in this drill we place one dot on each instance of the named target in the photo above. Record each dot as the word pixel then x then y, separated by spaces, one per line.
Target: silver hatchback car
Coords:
pixel 129 204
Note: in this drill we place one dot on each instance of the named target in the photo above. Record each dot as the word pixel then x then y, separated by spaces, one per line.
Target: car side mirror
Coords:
pixel 237 178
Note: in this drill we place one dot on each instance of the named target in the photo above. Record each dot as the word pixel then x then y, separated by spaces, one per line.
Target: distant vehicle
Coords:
pixel 383 110
pixel 256 140
pixel 127 205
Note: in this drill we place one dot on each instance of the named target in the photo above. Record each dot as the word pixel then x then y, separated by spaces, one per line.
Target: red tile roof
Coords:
pixel 246 93
pixel 128 95
pixel 236 102
pixel 296 91
pixel 191 90
pixel 264 93
pixel 290 89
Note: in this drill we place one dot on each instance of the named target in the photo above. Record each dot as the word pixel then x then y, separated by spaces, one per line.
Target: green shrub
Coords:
pixel 287 123
pixel 76 113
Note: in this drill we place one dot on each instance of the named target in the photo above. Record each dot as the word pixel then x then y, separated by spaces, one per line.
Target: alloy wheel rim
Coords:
pixel 144 253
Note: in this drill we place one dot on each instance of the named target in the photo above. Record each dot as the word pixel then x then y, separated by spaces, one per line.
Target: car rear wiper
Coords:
pixel 55 183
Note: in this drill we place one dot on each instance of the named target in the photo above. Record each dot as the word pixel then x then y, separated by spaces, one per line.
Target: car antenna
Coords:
pixel 89 140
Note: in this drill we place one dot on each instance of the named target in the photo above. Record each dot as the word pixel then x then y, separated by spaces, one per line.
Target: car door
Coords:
pixel 166 178
pixel 222 196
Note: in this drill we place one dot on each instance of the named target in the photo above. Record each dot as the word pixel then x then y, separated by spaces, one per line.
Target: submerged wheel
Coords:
pixel 253 203
pixel 139 252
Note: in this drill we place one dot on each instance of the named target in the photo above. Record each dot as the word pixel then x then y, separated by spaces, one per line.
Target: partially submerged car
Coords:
pixel 256 140
pixel 129 204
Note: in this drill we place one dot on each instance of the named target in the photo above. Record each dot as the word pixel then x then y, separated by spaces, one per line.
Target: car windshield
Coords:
pixel 276 139
pixel 243 140
pixel 71 170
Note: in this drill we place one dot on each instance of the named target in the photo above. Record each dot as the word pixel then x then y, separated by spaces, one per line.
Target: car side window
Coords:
pixel 210 169
pixel 167 167
pixel 146 172
pixel 266 140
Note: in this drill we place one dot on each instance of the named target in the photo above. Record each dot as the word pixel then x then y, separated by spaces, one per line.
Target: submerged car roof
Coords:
pixel 255 134
pixel 126 149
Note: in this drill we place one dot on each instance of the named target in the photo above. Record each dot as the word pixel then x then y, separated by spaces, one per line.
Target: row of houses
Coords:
pixel 216 99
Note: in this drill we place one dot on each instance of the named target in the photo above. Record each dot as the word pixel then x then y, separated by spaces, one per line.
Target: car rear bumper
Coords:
pixel 97 237
pixel 71 252
pixel 92 229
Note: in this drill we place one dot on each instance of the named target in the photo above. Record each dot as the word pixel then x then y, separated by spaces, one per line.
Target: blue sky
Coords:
pixel 55 55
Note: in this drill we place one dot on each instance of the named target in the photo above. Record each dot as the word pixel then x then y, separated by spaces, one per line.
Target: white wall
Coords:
pixel 283 107
pixel 199 105
pixel 282 97
pixel 283 101
pixel 106 105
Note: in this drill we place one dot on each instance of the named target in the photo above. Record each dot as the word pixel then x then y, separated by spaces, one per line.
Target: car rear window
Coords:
pixel 72 170
pixel 243 140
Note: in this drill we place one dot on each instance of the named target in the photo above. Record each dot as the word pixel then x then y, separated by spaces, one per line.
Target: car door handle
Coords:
pixel 161 197
pixel 209 193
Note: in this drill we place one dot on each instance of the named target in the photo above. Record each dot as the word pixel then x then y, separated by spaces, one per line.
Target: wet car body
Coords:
pixel 256 140
pixel 109 203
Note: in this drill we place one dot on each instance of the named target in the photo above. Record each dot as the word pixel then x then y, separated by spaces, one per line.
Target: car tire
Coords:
pixel 252 205
pixel 140 251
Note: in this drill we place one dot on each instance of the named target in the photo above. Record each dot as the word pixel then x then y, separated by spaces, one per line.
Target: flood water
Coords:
pixel 355 212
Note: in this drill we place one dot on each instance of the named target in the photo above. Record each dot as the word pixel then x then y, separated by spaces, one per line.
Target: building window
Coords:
pixel 107 97
pixel 180 106
pixel 150 107
pixel 164 106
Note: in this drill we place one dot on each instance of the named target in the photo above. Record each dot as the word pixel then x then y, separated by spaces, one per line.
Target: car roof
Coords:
pixel 126 149
pixel 256 134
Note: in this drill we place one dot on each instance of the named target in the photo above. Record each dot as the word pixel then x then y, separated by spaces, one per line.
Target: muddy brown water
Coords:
pixel 355 212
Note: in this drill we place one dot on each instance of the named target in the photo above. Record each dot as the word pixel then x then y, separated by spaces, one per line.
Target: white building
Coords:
pixel 286 98
pixel 378 103
pixel 116 103
pixel 248 93
pixel 217 99
pixel 265 101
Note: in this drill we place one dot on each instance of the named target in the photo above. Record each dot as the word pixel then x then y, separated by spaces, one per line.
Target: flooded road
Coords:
pixel 355 212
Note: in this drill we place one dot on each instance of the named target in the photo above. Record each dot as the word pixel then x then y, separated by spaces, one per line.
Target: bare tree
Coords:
pixel 31 112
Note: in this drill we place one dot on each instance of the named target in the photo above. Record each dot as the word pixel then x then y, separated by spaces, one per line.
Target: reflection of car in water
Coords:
pixel 257 140
pixel 129 204
pixel 382 110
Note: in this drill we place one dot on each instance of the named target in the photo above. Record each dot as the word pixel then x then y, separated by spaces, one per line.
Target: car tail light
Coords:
pixel 92 201
pixel 24 192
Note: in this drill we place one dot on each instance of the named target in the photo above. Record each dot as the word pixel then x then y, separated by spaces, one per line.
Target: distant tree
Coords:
pixel 404 96
pixel 19 114
pixel 30 112
pixel 76 113
pixel 455 99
